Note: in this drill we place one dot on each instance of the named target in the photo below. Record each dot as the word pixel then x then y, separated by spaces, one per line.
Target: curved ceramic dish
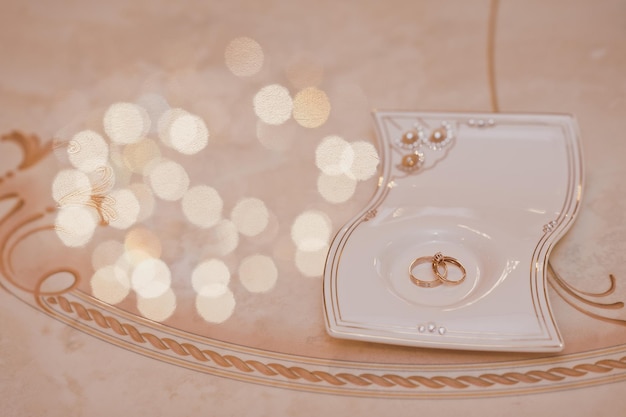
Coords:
pixel 494 191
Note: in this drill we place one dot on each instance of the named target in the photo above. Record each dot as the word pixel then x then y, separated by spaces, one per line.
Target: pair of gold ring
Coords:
pixel 439 264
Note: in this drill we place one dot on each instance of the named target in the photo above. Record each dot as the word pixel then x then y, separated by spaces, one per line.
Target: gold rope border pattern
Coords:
pixel 294 373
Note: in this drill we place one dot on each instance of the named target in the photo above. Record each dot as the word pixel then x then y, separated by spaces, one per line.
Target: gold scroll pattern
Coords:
pixel 33 150
pixel 593 304
pixel 27 220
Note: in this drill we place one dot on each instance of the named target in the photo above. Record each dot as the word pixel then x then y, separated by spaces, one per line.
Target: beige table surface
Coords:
pixel 258 346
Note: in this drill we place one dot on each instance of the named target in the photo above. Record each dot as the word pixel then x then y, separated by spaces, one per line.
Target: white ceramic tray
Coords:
pixel 494 191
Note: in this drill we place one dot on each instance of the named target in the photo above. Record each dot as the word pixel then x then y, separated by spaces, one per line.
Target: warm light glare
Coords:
pixel 222 238
pixel 137 156
pixel 126 123
pixel 211 278
pixel 110 284
pixel 311 264
pixel 183 131
pixel 129 260
pixel 311 107
pixel 106 253
pixel 273 104
pixel 250 216
pixel 244 57
pixel 336 188
pixel 365 161
pixel 157 308
pixel 258 273
pixel 71 186
pixel 202 206
pixel 119 173
pixel 88 151
pixel 75 225
pixel 126 208
pixel 216 309
pixel 151 278
pixel 141 243
pixel 168 180
pixel 334 156
pixel 311 231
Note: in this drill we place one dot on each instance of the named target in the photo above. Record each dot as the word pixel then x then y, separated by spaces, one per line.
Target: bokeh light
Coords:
pixel 336 188
pixel 202 206
pixel 88 151
pixel 157 308
pixel 250 216
pixel 311 231
pixel 311 263
pixel 129 259
pixel 183 131
pixel 273 104
pixel 311 107
pixel 334 155
pixel 110 284
pixel 106 253
pixel 222 238
pixel 140 244
pixel 244 56
pixel 365 161
pixel 151 278
pixel 216 309
pixel 211 278
pixel 136 263
pixel 126 208
pixel 120 174
pixel 126 123
pixel 168 180
pixel 75 225
pixel 103 179
pixel 137 156
pixel 258 273
pixel 71 186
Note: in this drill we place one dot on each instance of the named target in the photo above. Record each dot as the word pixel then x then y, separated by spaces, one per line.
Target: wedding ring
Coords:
pixel 420 282
pixel 444 277
pixel 439 264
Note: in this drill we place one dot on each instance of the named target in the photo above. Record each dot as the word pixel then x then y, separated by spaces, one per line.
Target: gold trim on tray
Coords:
pixel 391 150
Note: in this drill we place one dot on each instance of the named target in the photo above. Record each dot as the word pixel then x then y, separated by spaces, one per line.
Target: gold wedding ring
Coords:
pixel 439 264
pixel 424 283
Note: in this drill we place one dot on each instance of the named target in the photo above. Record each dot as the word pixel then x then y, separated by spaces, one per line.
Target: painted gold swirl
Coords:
pixel 95 196
pixel 32 148
pixel 585 301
